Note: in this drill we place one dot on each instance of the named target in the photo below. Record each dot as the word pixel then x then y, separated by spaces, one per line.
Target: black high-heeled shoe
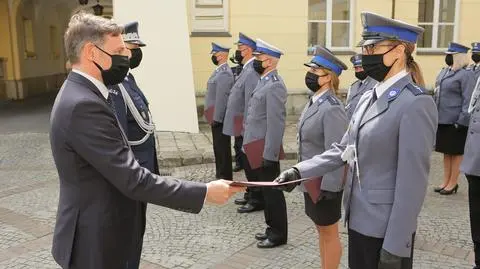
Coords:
pixel 438 189
pixel 449 192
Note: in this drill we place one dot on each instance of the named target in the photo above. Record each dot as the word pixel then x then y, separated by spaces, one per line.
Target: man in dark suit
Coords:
pixel 102 186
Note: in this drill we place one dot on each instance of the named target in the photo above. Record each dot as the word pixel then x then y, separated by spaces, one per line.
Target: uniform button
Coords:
pixel 471 132
pixel 408 245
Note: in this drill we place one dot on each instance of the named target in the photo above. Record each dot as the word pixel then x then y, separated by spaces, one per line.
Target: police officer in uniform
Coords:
pixel 387 146
pixel 235 115
pixel 266 121
pixel 322 123
pixel 218 89
pixel 476 59
pixel 453 89
pixel 131 108
pixel 359 87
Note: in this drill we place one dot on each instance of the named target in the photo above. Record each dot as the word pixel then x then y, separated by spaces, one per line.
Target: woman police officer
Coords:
pixel 322 123
pixel 387 147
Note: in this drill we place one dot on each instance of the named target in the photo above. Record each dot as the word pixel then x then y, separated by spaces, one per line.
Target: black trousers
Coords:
pixel 237 146
pixel 275 207
pixel 474 205
pixel 254 196
pixel 364 251
pixel 222 149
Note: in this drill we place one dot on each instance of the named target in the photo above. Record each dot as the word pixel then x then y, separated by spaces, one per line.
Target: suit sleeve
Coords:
pixel 334 125
pixel 224 83
pixel 276 98
pixel 468 85
pixel 415 145
pixel 95 136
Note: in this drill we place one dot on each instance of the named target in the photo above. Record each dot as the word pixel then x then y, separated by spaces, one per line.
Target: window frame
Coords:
pixel 226 18
pixel 436 24
pixel 329 21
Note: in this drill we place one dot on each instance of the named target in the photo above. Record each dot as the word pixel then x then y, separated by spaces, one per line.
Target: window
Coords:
pixel 54 42
pixel 210 16
pixel 439 18
pixel 330 23
pixel 28 38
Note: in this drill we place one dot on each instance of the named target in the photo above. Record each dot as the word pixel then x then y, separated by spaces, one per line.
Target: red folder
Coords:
pixel 254 152
pixel 237 125
pixel 312 184
pixel 313 188
pixel 209 114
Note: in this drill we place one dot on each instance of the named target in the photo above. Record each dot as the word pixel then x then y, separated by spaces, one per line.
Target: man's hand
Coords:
pixel 287 176
pixel 219 191
pixel 389 260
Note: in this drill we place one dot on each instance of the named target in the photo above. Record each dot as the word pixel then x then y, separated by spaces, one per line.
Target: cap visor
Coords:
pixel 257 53
pixel 311 65
pixel 364 43
pixel 451 52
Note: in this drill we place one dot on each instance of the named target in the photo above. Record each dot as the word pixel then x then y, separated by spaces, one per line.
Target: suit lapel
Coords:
pixel 75 77
pixel 382 103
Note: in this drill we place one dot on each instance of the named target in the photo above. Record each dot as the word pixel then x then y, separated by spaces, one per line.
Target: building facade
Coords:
pixel 32 58
pixel 295 25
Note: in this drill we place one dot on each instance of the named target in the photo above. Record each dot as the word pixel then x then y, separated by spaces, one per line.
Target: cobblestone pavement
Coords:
pixel 216 238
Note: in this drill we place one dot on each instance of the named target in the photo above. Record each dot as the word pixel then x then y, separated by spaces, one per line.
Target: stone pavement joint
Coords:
pixel 24 223
pixel 34 245
pixel 23 188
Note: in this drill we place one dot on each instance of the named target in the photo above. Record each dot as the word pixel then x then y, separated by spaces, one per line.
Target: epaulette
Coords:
pixel 469 67
pixel 333 101
pixel 416 90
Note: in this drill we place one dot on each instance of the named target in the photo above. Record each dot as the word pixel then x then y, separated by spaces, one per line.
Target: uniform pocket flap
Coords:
pixel 381 196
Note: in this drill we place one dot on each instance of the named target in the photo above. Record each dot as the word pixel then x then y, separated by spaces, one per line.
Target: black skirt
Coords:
pixel 451 140
pixel 324 212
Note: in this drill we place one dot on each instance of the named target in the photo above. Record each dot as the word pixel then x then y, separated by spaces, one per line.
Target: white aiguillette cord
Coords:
pixel 147 127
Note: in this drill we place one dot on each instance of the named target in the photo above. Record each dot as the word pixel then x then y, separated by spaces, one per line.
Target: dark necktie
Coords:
pixel 374 98
pixel 111 103
pixel 310 103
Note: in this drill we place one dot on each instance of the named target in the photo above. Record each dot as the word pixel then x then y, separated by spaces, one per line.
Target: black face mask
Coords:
pixel 257 65
pixel 476 58
pixel 361 75
pixel 449 59
pixel 117 72
pixel 238 56
pixel 311 80
pixel 136 58
pixel 214 60
pixel 374 67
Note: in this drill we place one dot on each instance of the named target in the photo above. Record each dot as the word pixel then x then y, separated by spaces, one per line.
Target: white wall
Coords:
pixel 165 75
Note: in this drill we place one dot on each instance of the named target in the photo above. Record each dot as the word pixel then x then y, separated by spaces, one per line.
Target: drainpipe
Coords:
pixel 11 51
pixel 393 9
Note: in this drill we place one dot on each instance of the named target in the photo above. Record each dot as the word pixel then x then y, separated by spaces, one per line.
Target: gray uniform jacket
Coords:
pixel 218 89
pixel 266 115
pixel 471 160
pixel 246 83
pixel 453 90
pixel 320 125
pixel 356 90
pixel 393 140
pixel 101 183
